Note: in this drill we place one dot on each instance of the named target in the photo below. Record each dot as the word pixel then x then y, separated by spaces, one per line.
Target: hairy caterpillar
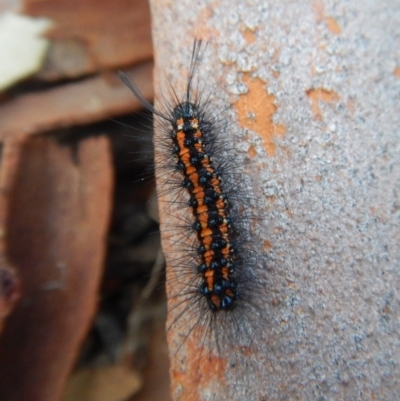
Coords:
pixel 216 282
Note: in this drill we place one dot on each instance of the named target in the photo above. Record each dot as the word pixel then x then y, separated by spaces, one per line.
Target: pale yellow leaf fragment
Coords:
pixel 22 49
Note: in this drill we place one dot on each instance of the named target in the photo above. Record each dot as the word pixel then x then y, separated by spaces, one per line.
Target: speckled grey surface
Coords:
pixel 334 223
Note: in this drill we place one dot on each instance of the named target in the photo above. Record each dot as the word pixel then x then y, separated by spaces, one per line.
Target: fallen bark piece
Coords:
pixel 92 100
pixel 92 36
pixel 10 292
pixel 57 223
pixel 10 288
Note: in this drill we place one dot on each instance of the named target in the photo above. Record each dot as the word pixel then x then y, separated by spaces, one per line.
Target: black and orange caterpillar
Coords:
pixel 210 207
pixel 218 267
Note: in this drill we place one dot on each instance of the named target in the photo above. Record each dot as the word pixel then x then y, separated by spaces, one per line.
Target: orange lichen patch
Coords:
pixel 319 10
pixel 333 25
pixel 267 245
pixel 396 72
pixel 351 105
pixel 289 213
pixel 320 94
pixel 275 302
pixel 330 22
pixel 291 284
pixel 252 152
pixel 256 109
pixel 275 74
pixel 248 34
pixel 203 368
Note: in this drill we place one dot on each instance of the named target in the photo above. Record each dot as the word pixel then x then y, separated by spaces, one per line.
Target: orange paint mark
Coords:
pixel 396 72
pixel 320 94
pixel 256 109
pixel 249 35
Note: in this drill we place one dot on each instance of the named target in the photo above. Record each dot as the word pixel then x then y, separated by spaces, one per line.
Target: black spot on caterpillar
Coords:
pixel 215 267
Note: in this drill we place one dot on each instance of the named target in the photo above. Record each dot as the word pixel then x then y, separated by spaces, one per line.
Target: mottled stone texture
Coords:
pixel 316 88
